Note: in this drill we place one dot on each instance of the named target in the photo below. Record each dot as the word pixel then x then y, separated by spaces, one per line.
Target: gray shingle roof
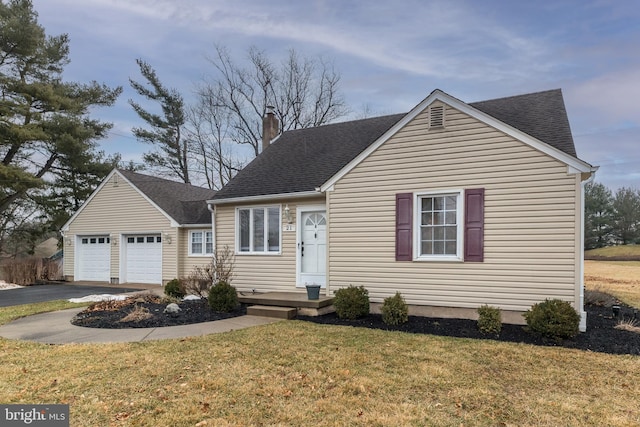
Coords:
pixel 184 203
pixel 302 160
pixel 541 115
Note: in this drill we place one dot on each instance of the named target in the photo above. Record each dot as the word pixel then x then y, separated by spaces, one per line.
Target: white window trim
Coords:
pixel 266 230
pixel 204 243
pixel 417 196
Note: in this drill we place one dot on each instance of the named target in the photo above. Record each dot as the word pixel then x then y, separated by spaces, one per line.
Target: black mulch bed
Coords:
pixel 191 311
pixel 601 336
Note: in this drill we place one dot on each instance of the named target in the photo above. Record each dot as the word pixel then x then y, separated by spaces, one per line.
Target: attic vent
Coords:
pixel 436 116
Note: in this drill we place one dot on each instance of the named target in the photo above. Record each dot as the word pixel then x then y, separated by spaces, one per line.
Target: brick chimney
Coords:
pixel 270 126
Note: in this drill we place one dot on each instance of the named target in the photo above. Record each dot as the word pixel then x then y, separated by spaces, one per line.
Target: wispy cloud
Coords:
pixel 390 54
pixel 439 39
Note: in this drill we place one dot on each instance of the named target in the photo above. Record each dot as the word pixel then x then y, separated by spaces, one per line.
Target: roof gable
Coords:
pixel 182 204
pixel 316 158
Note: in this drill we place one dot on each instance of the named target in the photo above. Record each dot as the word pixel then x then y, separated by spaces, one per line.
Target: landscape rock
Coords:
pixel 172 309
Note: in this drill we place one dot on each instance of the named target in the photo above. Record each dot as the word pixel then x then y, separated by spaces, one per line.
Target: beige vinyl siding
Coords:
pixel 262 272
pixel 117 210
pixel 530 218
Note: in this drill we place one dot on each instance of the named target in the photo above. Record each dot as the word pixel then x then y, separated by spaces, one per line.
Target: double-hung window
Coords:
pixel 258 229
pixel 440 225
pixel 439 230
pixel 200 243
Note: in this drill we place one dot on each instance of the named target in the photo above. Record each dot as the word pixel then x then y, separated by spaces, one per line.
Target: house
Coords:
pixel 136 228
pixel 453 204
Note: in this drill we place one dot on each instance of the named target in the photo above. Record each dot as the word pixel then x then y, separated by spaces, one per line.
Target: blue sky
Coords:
pixel 391 55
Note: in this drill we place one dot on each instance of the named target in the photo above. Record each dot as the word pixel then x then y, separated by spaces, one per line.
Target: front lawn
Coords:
pixel 298 373
pixel 8 314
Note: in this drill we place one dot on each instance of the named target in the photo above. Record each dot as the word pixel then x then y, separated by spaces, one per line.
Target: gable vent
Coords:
pixel 436 116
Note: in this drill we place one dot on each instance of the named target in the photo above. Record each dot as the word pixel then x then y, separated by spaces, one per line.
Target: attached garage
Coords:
pixel 142 259
pixel 135 228
pixel 93 258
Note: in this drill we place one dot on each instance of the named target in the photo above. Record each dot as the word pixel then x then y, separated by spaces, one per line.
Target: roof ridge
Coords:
pixel 505 98
pixel 153 178
pixel 326 125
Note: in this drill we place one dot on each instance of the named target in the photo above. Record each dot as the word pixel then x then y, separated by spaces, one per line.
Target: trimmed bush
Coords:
pixel 352 302
pixel 553 319
pixel 174 288
pixel 489 320
pixel 223 297
pixel 395 310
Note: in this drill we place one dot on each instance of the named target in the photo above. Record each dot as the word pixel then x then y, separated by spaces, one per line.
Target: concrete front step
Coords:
pixel 272 311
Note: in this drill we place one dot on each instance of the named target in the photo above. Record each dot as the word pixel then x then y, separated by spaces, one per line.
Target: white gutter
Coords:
pixel 266 197
pixel 212 209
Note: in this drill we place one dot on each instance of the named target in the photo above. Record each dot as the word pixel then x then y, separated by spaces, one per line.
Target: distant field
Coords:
pixel 618 278
pixel 622 253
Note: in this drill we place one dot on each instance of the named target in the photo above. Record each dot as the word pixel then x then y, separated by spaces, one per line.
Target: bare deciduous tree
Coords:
pixel 231 104
pixel 212 151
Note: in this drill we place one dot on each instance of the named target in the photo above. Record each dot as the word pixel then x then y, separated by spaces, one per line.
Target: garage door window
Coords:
pixel 94 240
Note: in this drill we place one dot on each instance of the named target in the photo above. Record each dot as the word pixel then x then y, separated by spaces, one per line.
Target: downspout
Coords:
pixel 64 241
pixel 212 209
pixel 583 313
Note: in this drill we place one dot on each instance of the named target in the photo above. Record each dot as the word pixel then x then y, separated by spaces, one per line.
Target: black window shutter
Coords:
pixel 404 222
pixel 474 225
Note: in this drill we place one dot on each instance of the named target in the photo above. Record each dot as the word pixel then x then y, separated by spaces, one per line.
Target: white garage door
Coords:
pixel 93 258
pixel 143 259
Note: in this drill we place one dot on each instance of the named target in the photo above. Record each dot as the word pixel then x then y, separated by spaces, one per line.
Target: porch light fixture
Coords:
pixel 287 213
pixel 167 238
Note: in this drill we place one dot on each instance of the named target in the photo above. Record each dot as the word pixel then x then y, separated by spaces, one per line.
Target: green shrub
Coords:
pixel 395 310
pixel 351 302
pixel 553 319
pixel 223 297
pixel 489 320
pixel 175 288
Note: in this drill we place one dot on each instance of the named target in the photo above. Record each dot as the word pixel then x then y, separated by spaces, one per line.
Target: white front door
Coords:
pixel 312 247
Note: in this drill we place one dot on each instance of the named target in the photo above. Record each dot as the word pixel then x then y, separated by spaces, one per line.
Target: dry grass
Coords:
pixel 296 373
pixel 630 325
pixel 616 251
pixel 138 314
pixel 8 314
pixel 619 278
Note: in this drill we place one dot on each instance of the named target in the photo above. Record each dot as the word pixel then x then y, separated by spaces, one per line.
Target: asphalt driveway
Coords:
pixel 41 293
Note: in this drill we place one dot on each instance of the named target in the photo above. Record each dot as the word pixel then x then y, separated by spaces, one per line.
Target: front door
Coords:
pixel 312 247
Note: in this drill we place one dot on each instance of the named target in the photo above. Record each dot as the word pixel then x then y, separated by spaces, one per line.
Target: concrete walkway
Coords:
pixel 56 328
